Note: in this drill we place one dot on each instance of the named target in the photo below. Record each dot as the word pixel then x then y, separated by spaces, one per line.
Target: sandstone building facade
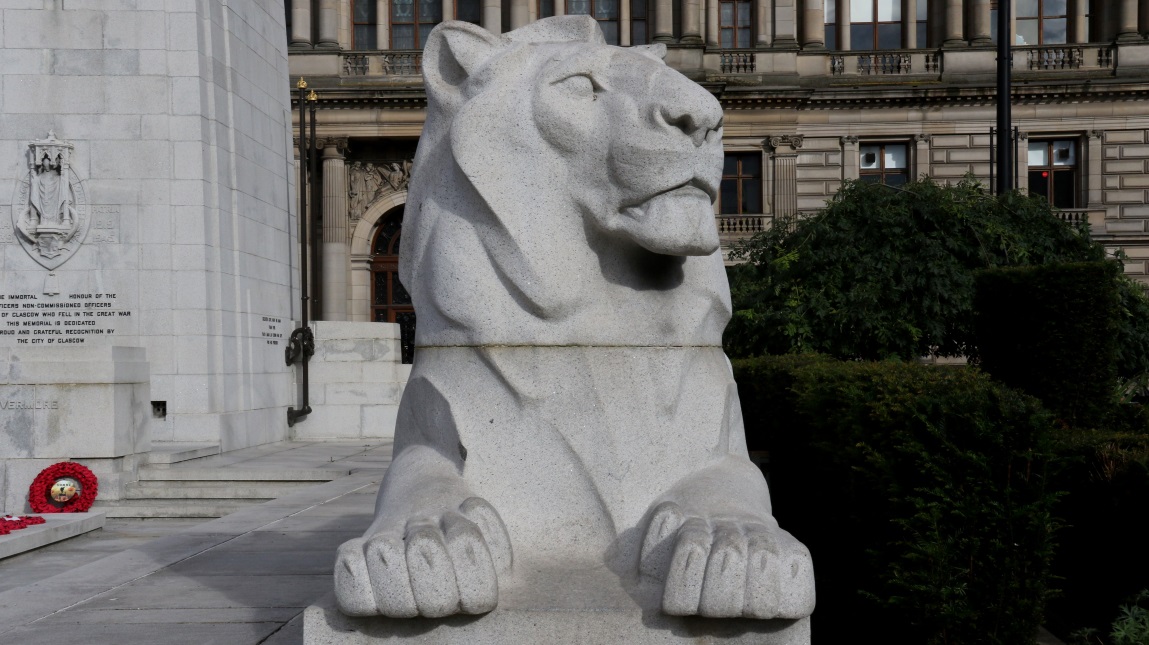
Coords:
pixel 815 92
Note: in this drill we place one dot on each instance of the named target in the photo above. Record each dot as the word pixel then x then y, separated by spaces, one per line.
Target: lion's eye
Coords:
pixel 578 85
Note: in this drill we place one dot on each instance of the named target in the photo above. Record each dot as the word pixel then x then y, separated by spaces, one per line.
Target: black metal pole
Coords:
pixel 992 154
pixel 301 344
pixel 1016 164
pixel 316 213
pixel 1004 116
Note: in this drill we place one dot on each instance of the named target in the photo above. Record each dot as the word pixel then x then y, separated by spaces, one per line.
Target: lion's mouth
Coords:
pixel 687 189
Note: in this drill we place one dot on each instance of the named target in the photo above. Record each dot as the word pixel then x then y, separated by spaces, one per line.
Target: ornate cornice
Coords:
pixel 791 140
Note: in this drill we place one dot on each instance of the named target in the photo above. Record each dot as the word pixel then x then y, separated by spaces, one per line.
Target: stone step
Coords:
pixel 173 453
pixel 181 509
pixel 152 473
pixel 166 489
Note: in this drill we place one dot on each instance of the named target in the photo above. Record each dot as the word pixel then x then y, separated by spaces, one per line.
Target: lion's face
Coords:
pixel 642 144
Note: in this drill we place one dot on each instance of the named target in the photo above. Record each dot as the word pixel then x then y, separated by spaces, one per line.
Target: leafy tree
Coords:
pixel 887 272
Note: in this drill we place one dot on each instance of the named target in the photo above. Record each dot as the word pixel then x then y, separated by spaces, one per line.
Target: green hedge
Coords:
pixel 921 492
pixel 1051 331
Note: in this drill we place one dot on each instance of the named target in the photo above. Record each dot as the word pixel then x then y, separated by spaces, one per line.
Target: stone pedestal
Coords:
pixel 88 404
pixel 556 607
pixel 356 380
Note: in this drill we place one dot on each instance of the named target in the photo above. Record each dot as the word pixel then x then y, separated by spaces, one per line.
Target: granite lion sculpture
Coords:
pixel 570 405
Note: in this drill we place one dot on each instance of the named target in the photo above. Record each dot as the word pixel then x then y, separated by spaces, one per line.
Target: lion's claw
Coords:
pixel 726 569
pixel 440 566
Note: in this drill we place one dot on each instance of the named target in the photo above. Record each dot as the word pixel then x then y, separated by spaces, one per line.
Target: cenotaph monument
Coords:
pixel 146 242
pixel 570 463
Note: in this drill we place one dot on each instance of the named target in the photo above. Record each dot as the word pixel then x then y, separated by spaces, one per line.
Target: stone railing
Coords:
pixel 742 225
pixel 736 62
pixel 387 63
pixel 1065 57
pixel 886 63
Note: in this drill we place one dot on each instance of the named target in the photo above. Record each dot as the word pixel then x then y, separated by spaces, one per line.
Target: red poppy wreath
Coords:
pixel 9 523
pixel 66 487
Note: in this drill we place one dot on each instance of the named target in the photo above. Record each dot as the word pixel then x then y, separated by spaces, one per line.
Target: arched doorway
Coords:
pixel 390 301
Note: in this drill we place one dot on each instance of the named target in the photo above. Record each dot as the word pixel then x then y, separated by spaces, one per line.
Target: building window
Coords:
pixel 364 23
pixel 734 24
pixel 412 21
pixel 469 11
pixel 546 8
pixel 875 24
pixel 639 27
pixel 741 190
pixel 1038 22
pixel 1053 171
pixel 884 163
pixel 390 301
pixel 604 11
pixel 921 22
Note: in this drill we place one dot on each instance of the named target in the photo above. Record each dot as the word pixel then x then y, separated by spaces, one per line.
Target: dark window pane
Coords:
pixel 752 165
pixel 894 179
pixel 406 320
pixel 606 10
pixel 469 11
pixel 380 292
pixel 365 37
pixel 726 38
pixel 546 8
pixel 993 25
pixel 726 14
pixel 743 14
pixel 1039 182
pixel 729 196
pixel 730 165
pixel 1054 8
pixel 743 39
pixel 399 295
pixel 831 36
pixel 403 11
pixel 638 32
pixel 609 31
pixel 637 9
pixel 871 179
pixel 424 31
pixel 363 11
pixel 751 196
pixel 862 36
pixel 430 10
pixel 403 37
pixel 923 36
pixel 1053 31
pixel 1063 189
pixel 890 36
pixel 1026 8
pixel 578 7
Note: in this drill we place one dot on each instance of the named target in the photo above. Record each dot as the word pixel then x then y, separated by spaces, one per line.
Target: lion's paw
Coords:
pixel 724 569
pixel 440 565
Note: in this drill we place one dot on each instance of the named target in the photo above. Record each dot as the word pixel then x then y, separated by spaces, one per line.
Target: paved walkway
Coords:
pixel 241 579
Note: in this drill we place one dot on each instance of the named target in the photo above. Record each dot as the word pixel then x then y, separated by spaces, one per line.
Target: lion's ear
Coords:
pixel 454 50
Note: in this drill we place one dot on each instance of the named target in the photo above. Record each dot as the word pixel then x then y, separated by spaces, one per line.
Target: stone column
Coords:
pixel 910 24
pixel 921 163
pixel 954 33
pixel 1077 32
pixel 663 20
pixel 784 164
pixel 849 157
pixel 691 16
pixel 1092 162
pixel 765 9
pixel 492 16
pixel 449 10
pixel 383 27
pixel 335 233
pixel 1127 21
pixel 785 24
pixel 561 8
pixel 711 22
pixel 979 23
pixel 813 24
pixel 519 13
pixel 842 23
pixel 623 22
pixel 300 23
pixel 328 24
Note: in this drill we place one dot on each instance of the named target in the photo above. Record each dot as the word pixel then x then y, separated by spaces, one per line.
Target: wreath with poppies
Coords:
pixel 9 523
pixel 66 487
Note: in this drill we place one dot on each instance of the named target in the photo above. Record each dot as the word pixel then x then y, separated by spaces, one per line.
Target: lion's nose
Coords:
pixel 693 111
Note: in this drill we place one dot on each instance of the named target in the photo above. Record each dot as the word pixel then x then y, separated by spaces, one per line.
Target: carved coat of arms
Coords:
pixel 50 209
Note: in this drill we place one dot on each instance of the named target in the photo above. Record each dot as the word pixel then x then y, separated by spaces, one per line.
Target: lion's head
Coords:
pixel 568 142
